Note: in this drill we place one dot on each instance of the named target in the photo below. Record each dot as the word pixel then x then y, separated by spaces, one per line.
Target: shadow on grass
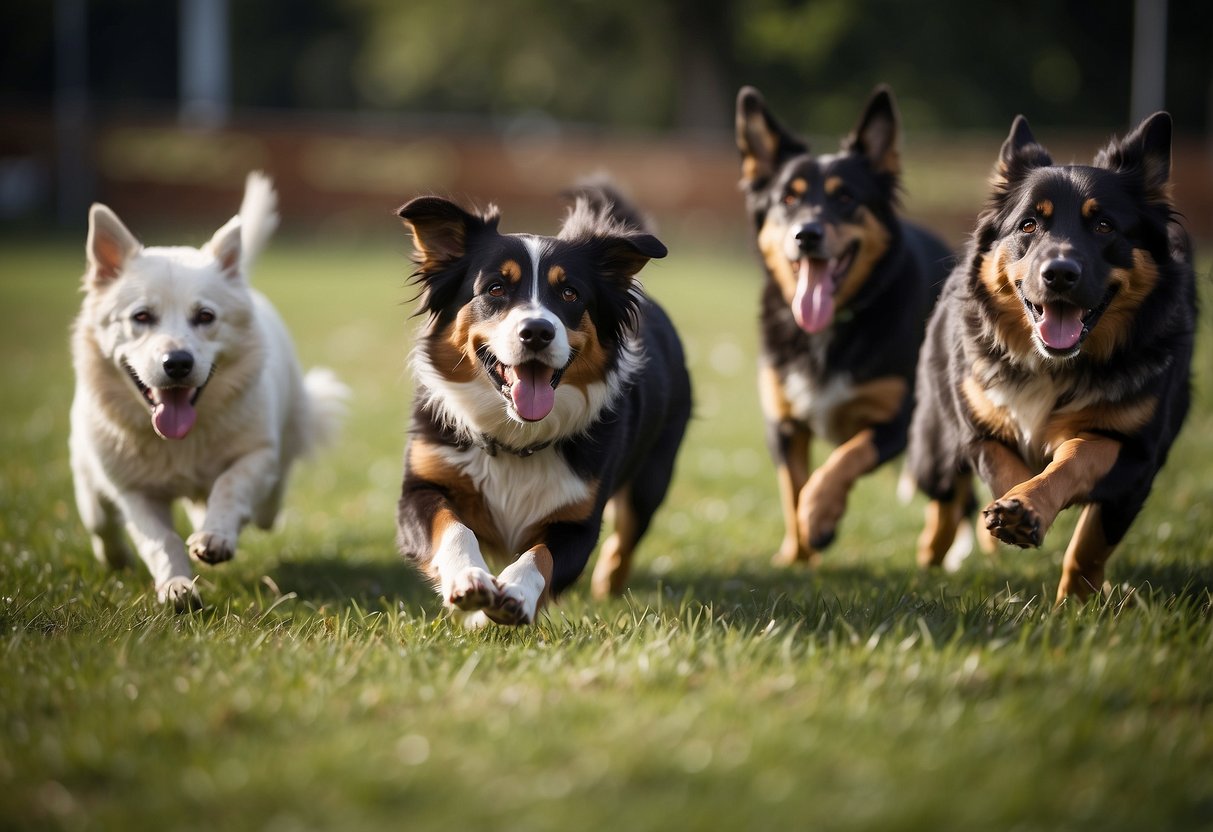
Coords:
pixel 983 602
pixel 340 583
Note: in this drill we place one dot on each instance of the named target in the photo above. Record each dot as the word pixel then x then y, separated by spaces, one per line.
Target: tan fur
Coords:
pixel 1082 569
pixel 943 519
pixel 824 498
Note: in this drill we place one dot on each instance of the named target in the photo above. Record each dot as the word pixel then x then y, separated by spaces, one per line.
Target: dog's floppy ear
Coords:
pixel 877 133
pixel 441 234
pixel 225 246
pixel 441 230
pixel 764 142
pixel 619 258
pixel 109 246
pixel 1144 154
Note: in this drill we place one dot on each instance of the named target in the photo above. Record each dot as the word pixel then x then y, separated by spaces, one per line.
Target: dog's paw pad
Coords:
pixel 1013 521
pixel 181 593
pixel 210 547
pixel 472 589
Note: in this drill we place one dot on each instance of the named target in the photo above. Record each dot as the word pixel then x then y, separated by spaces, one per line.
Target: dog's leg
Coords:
pixel 1000 467
pixel 790 446
pixel 104 522
pixel 524 587
pixel 824 498
pixel 463 578
pixel 615 557
pixel 1025 512
pixel 150 525
pixel 1082 571
pixel 230 504
pixel 943 518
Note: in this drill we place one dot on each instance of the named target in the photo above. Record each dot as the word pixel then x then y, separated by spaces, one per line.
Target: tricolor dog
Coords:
pixel 187 387
pixel 547 387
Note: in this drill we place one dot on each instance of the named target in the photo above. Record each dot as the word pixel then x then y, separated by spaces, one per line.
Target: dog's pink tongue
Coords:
pixel 532 391
pixel 173 415
pixel 1061 325
pixel 813 305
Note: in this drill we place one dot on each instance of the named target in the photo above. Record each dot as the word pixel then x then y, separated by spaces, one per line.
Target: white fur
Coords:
pixel 814 403
pixel 255 415
pixel 508 485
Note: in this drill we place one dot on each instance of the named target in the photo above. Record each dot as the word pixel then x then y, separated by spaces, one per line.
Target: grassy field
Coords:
pixel 324 688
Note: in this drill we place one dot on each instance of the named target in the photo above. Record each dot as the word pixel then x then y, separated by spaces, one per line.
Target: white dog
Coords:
pixel 187 386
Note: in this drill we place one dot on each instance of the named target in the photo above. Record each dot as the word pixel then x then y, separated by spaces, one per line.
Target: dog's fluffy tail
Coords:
pixel 258 217
pixel 326 406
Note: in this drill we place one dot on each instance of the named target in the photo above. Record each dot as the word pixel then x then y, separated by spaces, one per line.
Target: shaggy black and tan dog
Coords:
pixel 1057 362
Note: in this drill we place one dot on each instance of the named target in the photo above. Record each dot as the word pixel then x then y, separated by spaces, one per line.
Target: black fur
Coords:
pixel 627 447
pixel 876 328
pixel 976 333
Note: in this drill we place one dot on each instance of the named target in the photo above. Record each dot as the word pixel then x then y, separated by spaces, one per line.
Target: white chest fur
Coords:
pixel 814 403
pixel 1031 406
pixel 520 491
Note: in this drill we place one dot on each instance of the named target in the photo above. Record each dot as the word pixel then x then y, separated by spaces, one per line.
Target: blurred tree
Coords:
pixel 637 63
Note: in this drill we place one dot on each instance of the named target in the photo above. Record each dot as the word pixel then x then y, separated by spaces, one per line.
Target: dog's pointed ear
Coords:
pixel 1019 154
pixel 441 230
pixel 109 246
pixel 877 134
pixel 225 246
pixel 764 142
pixel 1145 153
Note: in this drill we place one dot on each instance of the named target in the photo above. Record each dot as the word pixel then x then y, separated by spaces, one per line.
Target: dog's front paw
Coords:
pixel 210 547
pixel 822 505
pixel 472 589
pixel 1013 520
pixel 181 593
pixel 513 607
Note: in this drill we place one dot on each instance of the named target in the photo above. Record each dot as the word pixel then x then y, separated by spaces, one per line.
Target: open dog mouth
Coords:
pixel 817 279
pixel 1061 327
pixel 530 387
pixel 172 408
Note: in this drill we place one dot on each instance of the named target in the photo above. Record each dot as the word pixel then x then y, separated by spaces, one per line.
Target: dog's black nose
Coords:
pixel 177 364
pixel 810 235
pixel 536 333
pixel 1061 273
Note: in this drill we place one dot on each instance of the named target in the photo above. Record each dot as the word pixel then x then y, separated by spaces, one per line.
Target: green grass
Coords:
pixel 323 687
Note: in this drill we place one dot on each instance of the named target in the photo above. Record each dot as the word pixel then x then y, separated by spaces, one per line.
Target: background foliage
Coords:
pixel 633 63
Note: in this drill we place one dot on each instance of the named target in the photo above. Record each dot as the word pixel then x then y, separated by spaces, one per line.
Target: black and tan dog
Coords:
pixel 547 385
pixel 848 291
pixel 1057 362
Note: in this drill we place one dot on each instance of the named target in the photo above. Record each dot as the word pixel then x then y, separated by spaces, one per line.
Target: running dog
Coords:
pixel 1057 363
pixel 848 290
pixel 547 386
pixel 187 387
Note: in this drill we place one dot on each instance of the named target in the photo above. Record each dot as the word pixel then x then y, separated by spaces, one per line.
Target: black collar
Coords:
pixel 491 446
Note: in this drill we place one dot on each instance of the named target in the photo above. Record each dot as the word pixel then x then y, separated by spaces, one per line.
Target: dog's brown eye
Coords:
pixel 1028 226
pixel 568 293
pixel 143 317
pixel 497 290
pixel 204 317
pixel 791 199
pixel 843 197
pixel 1102 226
